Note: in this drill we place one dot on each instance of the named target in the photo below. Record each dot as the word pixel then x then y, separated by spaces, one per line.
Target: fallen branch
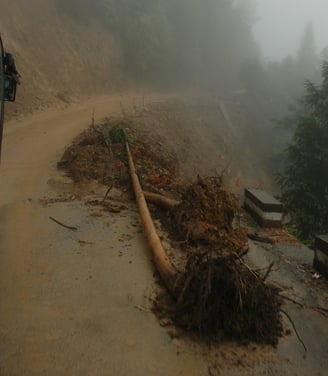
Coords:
pixel 166 203
pixel 268 271
pixel 142 309
pixel 85 242
pixel 292 300
pixel 294 327
pixel 107 193
pixel 63 225
pixel 216 292
pixel 321 310
pixel 262 239
pixel 100 133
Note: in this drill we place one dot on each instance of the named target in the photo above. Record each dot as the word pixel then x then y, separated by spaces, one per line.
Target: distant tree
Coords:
pixel 304 182
pixel 307 55
pixel 324 54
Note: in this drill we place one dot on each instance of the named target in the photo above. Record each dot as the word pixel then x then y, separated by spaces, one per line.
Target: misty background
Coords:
pixel 254 56
pixel 262 47
pixel 280 25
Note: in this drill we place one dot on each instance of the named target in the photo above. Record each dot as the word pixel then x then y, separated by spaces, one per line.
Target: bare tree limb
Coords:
pixel 294 327
pixel 63 225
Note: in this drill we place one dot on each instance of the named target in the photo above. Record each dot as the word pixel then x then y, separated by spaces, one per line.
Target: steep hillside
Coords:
pixel 64 60
pixel 59 59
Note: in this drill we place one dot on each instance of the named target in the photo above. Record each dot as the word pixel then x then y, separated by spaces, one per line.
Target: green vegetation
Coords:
pixel 304 181
pixel 117 135
pixel 297 234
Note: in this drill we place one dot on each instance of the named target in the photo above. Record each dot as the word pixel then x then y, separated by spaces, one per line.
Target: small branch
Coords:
pixel 268 271
pixel 254 236
pixel 142 309
pixel 246 266
pixel 292 300
pixel 181 242
pixel 294 327
pixel 99 132
pixel 107 193
pixel 63 225
pixel 321 310
pixel 85 242
pixel 166 203
pixel 93 118
pixel 244 252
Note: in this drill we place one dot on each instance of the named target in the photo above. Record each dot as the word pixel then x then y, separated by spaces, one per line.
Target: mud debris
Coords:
pixel 208 215
pixel 99 154
pixel 216 294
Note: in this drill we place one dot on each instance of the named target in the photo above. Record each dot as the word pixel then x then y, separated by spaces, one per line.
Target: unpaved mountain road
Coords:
pixel 77 302
pixel 72 303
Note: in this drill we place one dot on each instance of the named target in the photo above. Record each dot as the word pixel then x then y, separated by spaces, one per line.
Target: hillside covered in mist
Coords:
pixel 68 49
pixel 59 59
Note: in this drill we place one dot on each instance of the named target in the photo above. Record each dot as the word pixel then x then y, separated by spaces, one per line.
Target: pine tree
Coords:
pixel 307 56
pixel 304 182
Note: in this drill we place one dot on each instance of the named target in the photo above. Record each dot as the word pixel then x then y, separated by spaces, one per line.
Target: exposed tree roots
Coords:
pixel 218 295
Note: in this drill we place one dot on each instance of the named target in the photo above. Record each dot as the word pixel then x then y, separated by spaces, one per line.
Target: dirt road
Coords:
pixel 73 303
pixel 77 302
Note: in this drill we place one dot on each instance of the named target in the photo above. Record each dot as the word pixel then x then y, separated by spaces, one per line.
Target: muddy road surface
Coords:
pixel 73 303
pixel 78 302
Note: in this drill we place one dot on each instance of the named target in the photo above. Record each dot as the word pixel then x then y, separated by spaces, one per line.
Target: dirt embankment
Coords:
pixel 63 62
pixel 60 60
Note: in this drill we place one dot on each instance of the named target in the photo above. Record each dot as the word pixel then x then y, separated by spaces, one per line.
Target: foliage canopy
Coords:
pixel 304 182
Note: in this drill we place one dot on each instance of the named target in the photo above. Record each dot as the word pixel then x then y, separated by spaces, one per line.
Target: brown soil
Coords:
pixel 61 61
pixel 208 215
pixel 97 154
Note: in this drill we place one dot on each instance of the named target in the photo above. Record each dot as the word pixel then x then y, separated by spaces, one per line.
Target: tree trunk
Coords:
pixel 163 263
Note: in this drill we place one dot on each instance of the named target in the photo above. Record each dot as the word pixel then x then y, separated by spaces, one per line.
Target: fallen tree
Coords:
pixel 216 294
pixel 162 261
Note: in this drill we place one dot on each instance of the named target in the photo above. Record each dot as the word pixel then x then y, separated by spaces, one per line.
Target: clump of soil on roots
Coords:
pixel 208 215
pixel 217 294
pixel 220 296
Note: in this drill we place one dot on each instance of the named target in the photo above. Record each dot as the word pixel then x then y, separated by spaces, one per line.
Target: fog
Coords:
pixel 281 24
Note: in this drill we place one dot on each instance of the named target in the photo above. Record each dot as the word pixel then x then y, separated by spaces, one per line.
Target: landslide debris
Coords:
pixel 208 215
pixel 99 154
pixel 216 294
pixel 220 297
